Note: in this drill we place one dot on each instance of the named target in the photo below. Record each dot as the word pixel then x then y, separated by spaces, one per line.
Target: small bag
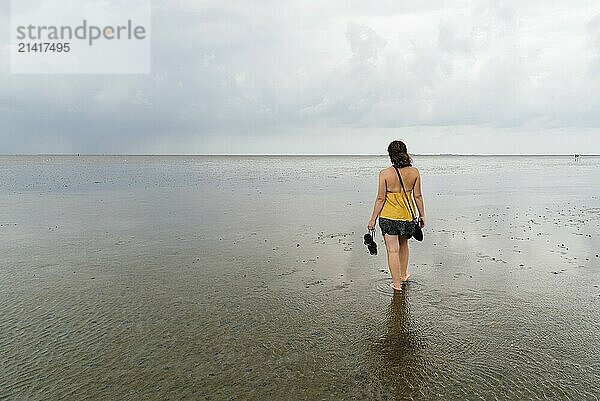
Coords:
pixel 417 233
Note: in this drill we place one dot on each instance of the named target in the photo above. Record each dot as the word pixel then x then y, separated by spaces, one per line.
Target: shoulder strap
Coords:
pixel 405 195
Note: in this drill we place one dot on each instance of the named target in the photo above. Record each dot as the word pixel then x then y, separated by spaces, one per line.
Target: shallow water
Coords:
pixel 246 278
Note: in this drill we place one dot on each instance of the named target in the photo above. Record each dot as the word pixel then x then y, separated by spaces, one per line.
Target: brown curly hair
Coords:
pixel 399 154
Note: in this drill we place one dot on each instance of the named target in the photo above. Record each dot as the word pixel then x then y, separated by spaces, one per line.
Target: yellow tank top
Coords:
pixel 395 207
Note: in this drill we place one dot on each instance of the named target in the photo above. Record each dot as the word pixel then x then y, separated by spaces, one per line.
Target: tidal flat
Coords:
pixel 245 278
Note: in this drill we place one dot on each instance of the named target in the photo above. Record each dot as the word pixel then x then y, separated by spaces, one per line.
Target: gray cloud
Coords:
pixel 295 76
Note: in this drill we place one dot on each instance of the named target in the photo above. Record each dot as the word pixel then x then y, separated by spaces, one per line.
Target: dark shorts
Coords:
pixel 406 228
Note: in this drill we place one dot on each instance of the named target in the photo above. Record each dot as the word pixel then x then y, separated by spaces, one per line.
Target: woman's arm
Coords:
pixel 379 201
pixel 419 199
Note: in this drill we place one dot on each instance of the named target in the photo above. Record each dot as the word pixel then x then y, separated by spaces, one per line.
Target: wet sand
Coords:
pixel 225 278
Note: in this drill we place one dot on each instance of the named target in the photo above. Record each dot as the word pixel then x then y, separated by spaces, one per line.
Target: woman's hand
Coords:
pixel 422 221
pixel 371 225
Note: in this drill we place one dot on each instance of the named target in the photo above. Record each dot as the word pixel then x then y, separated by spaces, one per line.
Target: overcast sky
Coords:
pixel 299 76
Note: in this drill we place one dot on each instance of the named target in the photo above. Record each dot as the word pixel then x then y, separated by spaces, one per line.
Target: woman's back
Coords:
pixel 398 205
pixel 409 178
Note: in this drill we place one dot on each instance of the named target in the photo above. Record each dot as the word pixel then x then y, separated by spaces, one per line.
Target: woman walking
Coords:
pixel 393 211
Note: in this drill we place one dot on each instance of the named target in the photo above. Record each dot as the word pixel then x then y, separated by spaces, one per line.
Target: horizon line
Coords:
pixel 287 154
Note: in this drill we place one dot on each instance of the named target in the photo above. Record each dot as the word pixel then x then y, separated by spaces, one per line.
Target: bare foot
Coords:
pixel 405 278
pixel 395 288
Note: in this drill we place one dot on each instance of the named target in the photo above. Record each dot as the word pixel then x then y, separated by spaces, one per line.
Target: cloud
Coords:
pixel 290 69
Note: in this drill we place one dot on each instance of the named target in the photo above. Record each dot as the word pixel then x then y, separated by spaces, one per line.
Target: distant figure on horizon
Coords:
pixel 392 208
pixel 576 157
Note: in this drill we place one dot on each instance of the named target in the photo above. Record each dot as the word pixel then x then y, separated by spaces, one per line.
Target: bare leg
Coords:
pixel 403 257
pixel 392 247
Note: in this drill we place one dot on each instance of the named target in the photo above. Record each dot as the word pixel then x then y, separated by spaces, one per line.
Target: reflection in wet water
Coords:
pixel 396 357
